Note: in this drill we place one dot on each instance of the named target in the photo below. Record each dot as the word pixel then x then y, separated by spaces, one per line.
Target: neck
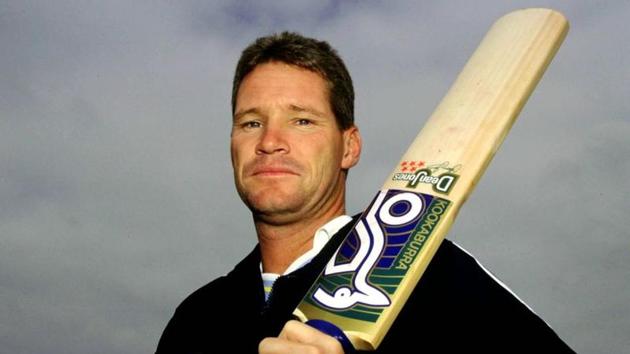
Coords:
pixel 281 244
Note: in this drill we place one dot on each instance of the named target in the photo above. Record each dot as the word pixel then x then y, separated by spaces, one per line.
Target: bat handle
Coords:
pixel 335 332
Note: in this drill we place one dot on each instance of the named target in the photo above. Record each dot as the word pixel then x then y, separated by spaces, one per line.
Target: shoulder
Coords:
pixel 183 332
pixel 457 276
pixel 211 292
pixel 224 291
pixel 456 268
pixel 465 305
pixel 210 312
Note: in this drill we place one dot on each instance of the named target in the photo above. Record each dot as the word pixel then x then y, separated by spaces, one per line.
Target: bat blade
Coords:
pixel 368 280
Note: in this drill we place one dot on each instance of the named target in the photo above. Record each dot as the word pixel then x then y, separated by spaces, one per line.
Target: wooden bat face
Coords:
pixel 366 283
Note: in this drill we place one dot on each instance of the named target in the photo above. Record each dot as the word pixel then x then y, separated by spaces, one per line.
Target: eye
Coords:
pixel 303 121
pixel 250 124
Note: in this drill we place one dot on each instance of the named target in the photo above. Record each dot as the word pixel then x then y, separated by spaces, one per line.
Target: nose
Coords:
pixel 273 140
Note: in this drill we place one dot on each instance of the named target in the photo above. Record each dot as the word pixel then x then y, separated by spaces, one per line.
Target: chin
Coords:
pixel 274 203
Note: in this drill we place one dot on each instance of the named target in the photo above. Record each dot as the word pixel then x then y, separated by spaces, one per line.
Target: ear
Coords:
pixel 351 147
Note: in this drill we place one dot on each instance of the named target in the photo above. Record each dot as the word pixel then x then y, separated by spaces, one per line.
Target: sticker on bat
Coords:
pixel 366 269
pixel 441 176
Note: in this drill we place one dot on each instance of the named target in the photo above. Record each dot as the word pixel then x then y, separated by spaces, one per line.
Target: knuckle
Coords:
pixel 263 345
pixel 333 346
pixel 292 325
pixel 315 350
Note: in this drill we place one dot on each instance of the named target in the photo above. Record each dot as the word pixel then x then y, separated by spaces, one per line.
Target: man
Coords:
pixel 293 141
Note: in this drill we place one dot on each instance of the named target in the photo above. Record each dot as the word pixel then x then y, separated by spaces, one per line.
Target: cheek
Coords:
pixel 233 151
pixel 328 163
pixel 237 165
pixel 238 152
pixel 234 157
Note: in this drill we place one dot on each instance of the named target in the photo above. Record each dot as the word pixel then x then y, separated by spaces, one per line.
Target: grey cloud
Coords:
pixel 116 196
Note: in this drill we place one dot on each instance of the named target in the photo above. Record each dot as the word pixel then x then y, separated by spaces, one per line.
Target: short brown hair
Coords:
pixel 307 53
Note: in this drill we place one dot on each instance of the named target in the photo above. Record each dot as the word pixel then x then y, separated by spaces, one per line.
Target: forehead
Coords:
pixel 278 83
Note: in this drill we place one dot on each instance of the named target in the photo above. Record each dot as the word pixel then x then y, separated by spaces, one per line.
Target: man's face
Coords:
pixel 288 153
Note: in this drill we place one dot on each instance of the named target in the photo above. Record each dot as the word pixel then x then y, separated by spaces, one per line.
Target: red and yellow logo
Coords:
pixel 442 176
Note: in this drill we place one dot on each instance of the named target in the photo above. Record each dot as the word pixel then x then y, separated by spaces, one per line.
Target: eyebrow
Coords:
pixel 292 107
pixel 310 110
pixel 240 114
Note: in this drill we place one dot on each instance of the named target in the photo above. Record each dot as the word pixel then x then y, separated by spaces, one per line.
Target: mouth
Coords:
pixel 268 168
pixel 273 172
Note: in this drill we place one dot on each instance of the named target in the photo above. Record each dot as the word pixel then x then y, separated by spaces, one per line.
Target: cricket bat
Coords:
pixel 364 286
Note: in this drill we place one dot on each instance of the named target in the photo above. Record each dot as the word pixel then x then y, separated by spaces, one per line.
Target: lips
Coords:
pixel 269 168
pixel 272 171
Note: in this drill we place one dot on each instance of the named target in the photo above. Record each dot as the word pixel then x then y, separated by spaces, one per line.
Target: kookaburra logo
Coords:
pixel 371 245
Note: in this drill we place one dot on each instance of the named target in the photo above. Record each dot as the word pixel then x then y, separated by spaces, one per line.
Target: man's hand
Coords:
pixel 297 337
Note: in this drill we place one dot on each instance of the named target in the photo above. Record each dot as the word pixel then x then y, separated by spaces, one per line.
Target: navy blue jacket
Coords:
pixel 456 307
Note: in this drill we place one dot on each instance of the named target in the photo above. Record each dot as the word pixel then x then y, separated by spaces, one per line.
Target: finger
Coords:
pixel 285 346
pixel 299 332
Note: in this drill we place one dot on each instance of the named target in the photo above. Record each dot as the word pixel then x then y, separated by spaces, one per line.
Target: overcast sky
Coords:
pixel 116 194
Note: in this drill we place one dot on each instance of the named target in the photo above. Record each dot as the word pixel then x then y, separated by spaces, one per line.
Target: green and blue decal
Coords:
pixel 366 270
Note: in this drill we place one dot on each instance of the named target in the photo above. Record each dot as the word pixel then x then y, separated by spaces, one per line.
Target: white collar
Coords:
pixel 321 238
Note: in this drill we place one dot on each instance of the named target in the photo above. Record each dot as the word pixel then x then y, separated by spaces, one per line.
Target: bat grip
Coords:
pixel 335 332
